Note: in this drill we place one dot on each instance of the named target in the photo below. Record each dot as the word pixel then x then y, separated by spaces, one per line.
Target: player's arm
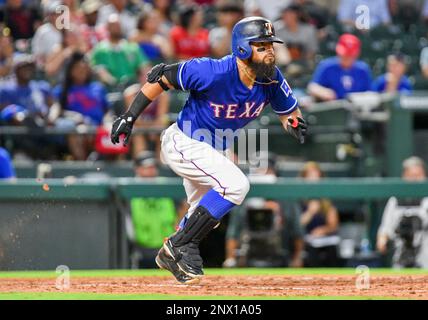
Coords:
pixel 160 78
pixel 294 124
pixel 320 92
pixel 285 105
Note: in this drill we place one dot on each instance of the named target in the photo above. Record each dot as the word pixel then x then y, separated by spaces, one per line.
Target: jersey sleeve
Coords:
pixel 378 84
pixel 45 87
pixel 282 99
pixel 196 74
pixel 320 75
pixel 56 92
pixel 6 168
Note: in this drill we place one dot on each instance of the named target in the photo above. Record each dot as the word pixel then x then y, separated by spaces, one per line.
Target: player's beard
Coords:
pixel 262 69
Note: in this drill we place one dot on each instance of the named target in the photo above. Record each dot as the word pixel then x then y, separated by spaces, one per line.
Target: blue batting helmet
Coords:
pixel 251 29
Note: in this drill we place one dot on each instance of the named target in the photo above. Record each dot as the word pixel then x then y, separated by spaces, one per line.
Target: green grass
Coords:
pixel 104 296
pixel 156 272
pixel 218 272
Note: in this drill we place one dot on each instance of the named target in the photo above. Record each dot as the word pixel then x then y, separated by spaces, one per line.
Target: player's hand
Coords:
pixel 122 125
pixel 297 128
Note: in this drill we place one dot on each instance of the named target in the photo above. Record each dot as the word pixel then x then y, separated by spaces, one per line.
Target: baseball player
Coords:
pixel 225 94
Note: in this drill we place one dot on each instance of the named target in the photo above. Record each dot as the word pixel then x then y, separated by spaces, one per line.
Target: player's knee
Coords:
pixel 241 189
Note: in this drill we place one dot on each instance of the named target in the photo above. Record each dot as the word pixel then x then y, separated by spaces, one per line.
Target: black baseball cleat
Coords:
pixel 186 257
pixel 167 263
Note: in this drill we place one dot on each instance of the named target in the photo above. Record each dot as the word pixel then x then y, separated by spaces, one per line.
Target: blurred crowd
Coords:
pixel 71 64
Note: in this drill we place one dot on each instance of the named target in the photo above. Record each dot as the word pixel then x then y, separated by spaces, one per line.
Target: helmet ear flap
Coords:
pixel 244 51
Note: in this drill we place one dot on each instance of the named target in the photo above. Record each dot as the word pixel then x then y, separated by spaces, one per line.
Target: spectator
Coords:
pixel 155 115
pixel 22 20
pixel 151 219
pixel 6 55
pixel 270 9
pixel 394 80
pixel 47 35
pixel 75 12
pixel 127 20
pixel 205 2
pixel 424 62
pixel 89 30
pixel 26 102
pixel 405 223
pixel 313 13
pixel 425 11
pixel 153 44
pixel 164 8
pixel 31 95
pixel 264 232
pixel 7 170
pixel 190 39
pixel 300 38
pixel 116 60
pixel 320 219
pixel 55 63
pixel 378 11
pixel 335 77
pixel 405 12
pixel 83 100
pixel 221 37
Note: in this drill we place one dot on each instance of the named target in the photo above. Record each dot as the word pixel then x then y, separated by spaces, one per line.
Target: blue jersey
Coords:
pixel 219 100
pixel 404 86
pixel 33 97
pixel 342 81
pixel 89 100
pixel 6 167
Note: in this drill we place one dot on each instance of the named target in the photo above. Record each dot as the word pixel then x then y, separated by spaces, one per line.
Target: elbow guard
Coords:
pixel 168 70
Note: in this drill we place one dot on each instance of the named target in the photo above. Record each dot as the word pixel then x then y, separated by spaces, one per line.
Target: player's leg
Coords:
pixel 164 261
pixel 194 194
pixel 204 167
pixel 183 246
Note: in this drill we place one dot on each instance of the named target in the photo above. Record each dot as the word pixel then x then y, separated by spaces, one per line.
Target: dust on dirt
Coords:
pixel 403 286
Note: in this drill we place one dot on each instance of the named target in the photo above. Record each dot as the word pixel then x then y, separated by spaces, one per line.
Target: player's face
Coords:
pixel 262 60
pixel 263 52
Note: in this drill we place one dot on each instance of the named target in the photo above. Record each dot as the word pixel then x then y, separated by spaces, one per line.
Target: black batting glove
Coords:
pixel 297 128
pixel 122 125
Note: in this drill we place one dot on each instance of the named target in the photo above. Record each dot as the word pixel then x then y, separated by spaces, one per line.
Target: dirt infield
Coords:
pixel 411 286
